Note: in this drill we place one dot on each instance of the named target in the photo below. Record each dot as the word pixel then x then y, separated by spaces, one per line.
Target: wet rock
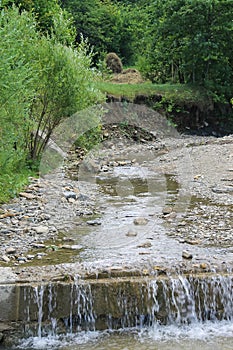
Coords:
pixel 41 229
pixel 21 259
pixel 38 245
pixel 70 195
pixel 93 222
pixel 30 257
pixel 140 221
pixel 160 270
pixel 167 210
pixel 131 234
pixel 186 255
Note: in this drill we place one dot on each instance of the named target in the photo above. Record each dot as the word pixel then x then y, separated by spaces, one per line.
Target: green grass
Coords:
pixel 176 92
pixel 12 184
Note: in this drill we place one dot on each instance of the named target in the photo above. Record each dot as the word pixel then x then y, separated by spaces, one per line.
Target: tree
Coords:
pixel 17 35
pixel 49 17
pixel 98 21
pixel 64 87
pixel 42 82
pixel 192 43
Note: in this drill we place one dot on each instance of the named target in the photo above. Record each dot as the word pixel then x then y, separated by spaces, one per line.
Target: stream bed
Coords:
pixel 144 283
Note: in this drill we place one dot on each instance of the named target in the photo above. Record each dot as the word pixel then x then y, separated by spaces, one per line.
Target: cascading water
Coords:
pixel 165 305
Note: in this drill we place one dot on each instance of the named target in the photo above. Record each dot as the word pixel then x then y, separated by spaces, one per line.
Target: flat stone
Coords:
pixel 22 259
pixel 27 195
pixel 41 229
pixel 30 257
pixel 167 210
pixel 7 214
pixel 5 258
pixel 10 250
pixel 38 245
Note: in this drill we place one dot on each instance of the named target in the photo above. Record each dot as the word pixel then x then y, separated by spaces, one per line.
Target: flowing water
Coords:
pixel 169 313
pixel 164 312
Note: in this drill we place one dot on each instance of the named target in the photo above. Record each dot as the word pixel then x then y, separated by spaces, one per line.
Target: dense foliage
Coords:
pixel 109 26
pixel 191 42
pixel 171 41
pixel 42 82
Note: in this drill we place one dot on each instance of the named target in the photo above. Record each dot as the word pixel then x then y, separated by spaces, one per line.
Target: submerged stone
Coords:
pixel 140 221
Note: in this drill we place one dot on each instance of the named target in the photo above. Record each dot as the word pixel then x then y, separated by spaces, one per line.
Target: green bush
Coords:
pixel 42 83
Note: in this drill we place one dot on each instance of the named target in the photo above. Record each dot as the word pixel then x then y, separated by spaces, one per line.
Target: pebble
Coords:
pixel 131 234
pixel 203 266
pixel 70 194
pixel 140 221
pixel 186 255
pixel 167 210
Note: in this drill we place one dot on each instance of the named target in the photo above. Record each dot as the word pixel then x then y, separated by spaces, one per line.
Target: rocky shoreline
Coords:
pixel 49 206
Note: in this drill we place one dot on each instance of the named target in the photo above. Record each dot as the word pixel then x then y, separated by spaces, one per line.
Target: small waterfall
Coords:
pixel 185 300
pixel 69 308
pixel 81 313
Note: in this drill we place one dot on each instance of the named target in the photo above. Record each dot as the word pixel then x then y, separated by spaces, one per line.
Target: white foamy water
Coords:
pixel 205 336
